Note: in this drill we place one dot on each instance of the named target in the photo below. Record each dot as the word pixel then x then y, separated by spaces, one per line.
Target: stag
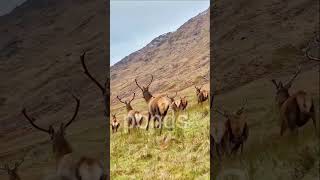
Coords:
pixel 85 168
pixel 183 103
pixel 115 124
pixel 236 128
pixel 134 118
pixel 202 95
pixel 12 171
pixel 157 106
pixel 295 109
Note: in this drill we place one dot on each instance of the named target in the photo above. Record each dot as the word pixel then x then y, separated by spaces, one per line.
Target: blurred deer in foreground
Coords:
pixel 236 128
pixel 115 124
pixel 85 168
pixel 134 118
pixel 295 109
pixel 157 106
pixel 12 171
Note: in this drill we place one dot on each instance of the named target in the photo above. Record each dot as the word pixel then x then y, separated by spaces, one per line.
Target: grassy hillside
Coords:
pixel 181 152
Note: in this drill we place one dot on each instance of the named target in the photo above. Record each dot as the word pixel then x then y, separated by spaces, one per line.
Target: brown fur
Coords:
pixel 183 103
pixel 237 129
pixel 202 95
pixel 115 124
pixel 134 118
pixel 157 106
pixel 174 104
pixel 295 110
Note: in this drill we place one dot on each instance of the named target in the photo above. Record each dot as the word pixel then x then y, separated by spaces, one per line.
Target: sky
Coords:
pixel 8 5
pixel 135 23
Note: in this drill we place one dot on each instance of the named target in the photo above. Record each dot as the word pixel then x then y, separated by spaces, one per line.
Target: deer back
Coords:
pixel 159 105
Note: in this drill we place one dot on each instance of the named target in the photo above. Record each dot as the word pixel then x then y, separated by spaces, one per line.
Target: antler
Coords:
pixel 275 83
pixel 150 81
pixel 137 84
pixel 317 40
pixel 103 89
pixel 75 112
pixel 32 123
pixel 289 84
pixel 121 100
pixel 134 94
pixel 243 105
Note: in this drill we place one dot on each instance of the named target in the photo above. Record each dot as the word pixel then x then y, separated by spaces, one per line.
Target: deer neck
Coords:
pixel 147 97
pixel 129 108
pixel 62 147
pixel 14 177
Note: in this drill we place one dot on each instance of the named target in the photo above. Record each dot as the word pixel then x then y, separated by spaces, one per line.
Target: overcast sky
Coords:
pixel 135 23
pixel 8 5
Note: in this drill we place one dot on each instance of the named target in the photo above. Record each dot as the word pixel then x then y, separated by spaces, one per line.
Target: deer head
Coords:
pixel 60 145
pixel 114 118
pixel 282 90
pixel 13 171
pixel 198 89
pixel 127 103
pixel 145 89
pixel 307 52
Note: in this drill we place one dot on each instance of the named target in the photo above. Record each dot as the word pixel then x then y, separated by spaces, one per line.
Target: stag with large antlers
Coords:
pixel 12 170
pixel 115 124
pixel 202 95
pixel 85 168
pixel 237 128
pixel 157 106
pixel 295 109
pixel 134 118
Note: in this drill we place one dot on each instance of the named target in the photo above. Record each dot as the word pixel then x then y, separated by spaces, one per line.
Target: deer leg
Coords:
pixel 161 124
pixel 129 124
pixel 149 117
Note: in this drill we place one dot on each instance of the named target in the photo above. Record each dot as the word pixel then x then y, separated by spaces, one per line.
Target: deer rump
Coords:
pixel 297 110
pixel 134 118
pixel 158 106
pixel 84 169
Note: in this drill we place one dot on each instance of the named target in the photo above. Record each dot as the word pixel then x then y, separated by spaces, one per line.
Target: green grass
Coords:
pixel 185 154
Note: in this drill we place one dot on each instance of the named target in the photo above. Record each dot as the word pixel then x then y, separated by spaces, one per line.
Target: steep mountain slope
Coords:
pixel 40 45
pixel 173 58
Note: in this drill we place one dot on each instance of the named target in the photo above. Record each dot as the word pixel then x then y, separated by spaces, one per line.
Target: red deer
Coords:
pixel 295 109
pixel 174 104
pixel 202 95
pixel 236 127
pixel 183 103
pixel 157 106
pixel 115 124
pixel 85 168
pixel 134 118
pixel 12 171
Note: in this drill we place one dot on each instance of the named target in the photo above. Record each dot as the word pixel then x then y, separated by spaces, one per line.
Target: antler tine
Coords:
pixel 134 94
pixel 86 71
pixel 311 57
pixel 150 81
pixel 120 100
pixel 75 112
pixel 137 84
pixel 32 123
pixel 288 85
pixel 275 83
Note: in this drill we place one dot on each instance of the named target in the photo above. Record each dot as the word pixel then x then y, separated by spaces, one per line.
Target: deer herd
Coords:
pixel 295 109
pixel 158 107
